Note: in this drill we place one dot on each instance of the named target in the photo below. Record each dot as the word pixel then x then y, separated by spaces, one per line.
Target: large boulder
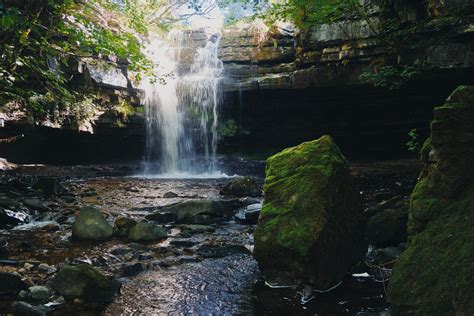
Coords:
pixel 241 187
pixel 147 232
pixel 85 283
pixel 310 228
pixel 90 224
pixel 434 276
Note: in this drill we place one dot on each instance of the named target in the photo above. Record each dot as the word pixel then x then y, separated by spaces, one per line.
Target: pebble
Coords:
pixel 47 268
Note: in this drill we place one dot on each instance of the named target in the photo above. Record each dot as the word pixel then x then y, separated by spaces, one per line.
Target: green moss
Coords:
pixel 293 213
pixel 434 276
pixel 426 149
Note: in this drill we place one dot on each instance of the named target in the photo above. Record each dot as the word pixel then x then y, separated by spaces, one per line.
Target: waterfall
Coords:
pixel 182 109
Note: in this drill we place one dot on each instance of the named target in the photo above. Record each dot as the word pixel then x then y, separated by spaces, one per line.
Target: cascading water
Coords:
pixel 182 112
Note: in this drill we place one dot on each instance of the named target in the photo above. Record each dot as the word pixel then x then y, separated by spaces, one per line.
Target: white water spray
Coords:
pixel 182 113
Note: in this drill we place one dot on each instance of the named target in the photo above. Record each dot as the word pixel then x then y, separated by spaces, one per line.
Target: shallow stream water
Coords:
pixel 210 271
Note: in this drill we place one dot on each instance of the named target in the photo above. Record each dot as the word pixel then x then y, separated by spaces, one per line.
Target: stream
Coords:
pixel 203 268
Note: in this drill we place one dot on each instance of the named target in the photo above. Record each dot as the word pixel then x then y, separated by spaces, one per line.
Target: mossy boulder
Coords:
pixel 143 232
pixel 241 187
pixel 85 283
pixel 434 276
pixel 90 224
pixel 310 228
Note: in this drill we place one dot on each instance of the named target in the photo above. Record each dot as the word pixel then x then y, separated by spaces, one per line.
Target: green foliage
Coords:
pixel 40 41
pixel 391 77
pixel 413 144
pixel 308 13
pixel 228 128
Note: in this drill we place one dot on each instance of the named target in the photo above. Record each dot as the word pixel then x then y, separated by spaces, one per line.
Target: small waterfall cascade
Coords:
pixel 181 108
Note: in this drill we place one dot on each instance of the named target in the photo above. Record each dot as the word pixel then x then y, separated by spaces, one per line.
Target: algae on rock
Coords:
pixel 436 273
pixel 310 228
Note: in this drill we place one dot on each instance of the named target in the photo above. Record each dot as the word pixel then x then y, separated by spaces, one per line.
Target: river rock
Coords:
pixel 147 232
pixel 21 308
pixel 36 205
pixel 10 284
pixel 9 218
pixel 90 224
pixel 241 187
pixel 39 293
pixel 86 283
pixel 435 274
pixel 123 226
pixel 197 211
pixel 249 214
pixel 387 228
pixel 310 228
pixel 170 195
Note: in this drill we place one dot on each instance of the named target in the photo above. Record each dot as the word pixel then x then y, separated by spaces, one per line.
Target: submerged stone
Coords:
pixel 90 224
pixel 86 283
pixel 310 227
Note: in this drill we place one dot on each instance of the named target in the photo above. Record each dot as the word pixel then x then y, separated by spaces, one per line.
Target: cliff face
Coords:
pixel 284 86
pixel 336 55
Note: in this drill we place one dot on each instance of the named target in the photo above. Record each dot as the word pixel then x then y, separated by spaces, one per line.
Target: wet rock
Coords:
pixel 199 211
pixel 123 226
pixel 132 269
pixel 219 251
pixel 170 195
pixel 162 217
pixel 47 268
pixel 143 232
pixel 36 205
pixel 49 185
pixel 90 224
pixel 249 215
pixel 9 218
pixel 189 230
pixel 120 251
pixel 39 293
pixel 7 262
pixel 25 309
pixel 10 284
pixel 85 283
pixel 387 228
pixel 385 255
pixel 384 205
pixel 241 187
pixel 310 226
pixel 183 243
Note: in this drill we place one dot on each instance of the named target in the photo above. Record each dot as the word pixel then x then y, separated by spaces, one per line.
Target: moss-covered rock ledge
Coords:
pixel 435 275
pixel 310 228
